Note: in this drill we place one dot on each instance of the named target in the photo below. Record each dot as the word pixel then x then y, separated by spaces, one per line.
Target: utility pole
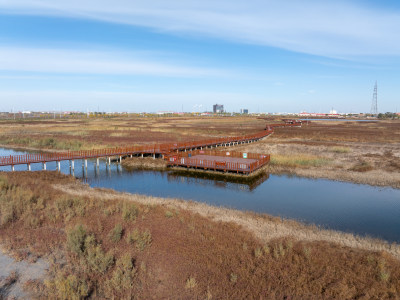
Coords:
pixel 374 105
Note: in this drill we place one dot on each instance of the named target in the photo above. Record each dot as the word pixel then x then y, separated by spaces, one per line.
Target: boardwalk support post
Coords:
pixel 29 167
pixel 12 168
pixel 59 166
pixel 44 166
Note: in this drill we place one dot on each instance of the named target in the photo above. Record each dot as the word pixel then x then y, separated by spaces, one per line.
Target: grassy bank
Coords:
pixel 44 143
pixel 104 244
pixel 146 163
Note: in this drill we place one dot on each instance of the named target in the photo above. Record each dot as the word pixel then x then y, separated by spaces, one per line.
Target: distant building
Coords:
pixel 244 111
pixel 218 108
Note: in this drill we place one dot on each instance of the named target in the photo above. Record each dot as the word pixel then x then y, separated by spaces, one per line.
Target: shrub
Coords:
pixel 70 207
pixel 97 260
pixel 122 278
pixel 133 236
pixel 140 239
pixel 129 211
pixel 76 240
pixel 169 214
pixel 233 278
pixel 144 241
pixel 116 233
pixel 258 252
pixel 191 283
pixel 69 287
pixel 362 167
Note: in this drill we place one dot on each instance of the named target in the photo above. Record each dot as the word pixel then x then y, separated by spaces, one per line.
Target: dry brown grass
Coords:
pixel 146 163
pixel 194 251
pixel 343 151
pixel 76 134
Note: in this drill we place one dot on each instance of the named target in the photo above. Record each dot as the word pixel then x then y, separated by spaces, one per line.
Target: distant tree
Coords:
pixel 388 115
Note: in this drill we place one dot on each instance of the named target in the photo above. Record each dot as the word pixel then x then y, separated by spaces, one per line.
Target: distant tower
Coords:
pixel 374 106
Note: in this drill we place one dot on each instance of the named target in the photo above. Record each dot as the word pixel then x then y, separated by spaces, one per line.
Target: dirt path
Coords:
pixel 15 274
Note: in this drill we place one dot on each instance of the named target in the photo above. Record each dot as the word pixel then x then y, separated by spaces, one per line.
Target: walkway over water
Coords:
pixel 226 161
pixel 155 149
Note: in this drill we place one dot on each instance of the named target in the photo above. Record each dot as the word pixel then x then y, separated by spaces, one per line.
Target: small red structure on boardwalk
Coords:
pixel 226 161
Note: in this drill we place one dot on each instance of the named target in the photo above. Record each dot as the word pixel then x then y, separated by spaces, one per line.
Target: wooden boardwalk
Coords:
pixel 155 149
pixel 226 161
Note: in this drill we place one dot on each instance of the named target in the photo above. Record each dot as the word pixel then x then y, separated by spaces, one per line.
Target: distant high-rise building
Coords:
pixel 244 111
pixel 218 108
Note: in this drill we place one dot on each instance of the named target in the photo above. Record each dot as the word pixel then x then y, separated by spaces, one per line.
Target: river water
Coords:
pixel 354 208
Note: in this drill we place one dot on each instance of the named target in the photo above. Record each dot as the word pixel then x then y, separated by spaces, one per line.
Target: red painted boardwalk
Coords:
pixel 156 149
pixel 227 161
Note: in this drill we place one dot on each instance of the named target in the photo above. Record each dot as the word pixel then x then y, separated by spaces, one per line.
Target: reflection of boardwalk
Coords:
pixel 225 182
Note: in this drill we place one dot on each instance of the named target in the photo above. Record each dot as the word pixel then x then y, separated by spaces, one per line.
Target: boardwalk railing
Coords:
pixel 255 162
pixel 161 149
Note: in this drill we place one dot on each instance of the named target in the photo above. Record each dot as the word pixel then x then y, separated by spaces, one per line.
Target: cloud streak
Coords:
pixel 111 101
pixel 91 62
pixel 333 29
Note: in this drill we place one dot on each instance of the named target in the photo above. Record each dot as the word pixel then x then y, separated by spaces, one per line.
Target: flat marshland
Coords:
pixel 104 244
pixel 361 152
pixel 83 134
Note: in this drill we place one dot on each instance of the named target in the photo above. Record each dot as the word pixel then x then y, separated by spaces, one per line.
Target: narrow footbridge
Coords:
pixel 155 150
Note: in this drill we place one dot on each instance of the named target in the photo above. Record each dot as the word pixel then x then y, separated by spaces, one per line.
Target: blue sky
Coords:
pixel 267 56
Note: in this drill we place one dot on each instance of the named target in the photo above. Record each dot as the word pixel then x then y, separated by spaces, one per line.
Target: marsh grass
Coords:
pixel 362 166
pixel 298 161
pixel 338 149
pixel 45 143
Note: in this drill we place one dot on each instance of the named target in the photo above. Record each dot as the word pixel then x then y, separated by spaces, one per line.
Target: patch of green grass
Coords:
pixel 340 149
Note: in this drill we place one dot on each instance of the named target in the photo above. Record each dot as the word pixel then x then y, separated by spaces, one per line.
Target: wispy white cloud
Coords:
pixel 91 62
pixel 113 101
pixel 328 28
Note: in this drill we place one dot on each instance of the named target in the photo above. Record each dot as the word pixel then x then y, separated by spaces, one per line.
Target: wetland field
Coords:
pixel 91 239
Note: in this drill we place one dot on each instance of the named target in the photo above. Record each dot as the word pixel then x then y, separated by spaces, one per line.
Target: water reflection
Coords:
pixel 221 181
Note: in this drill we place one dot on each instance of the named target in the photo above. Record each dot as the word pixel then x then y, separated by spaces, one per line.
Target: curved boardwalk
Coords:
pixel 156 149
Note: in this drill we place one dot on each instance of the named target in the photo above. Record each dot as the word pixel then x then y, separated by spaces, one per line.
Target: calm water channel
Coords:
pixel 354 208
